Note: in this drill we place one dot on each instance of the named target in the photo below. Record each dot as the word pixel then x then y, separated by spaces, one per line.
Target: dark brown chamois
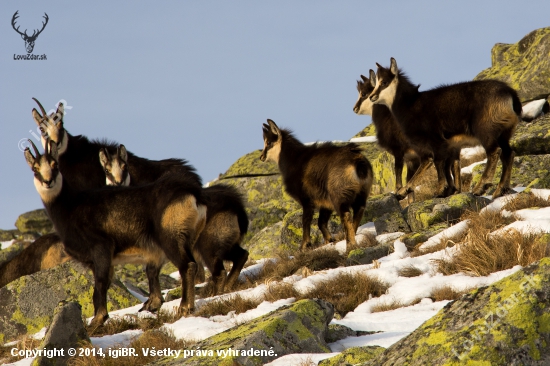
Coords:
pixel 79 162
pixel 45 252
pixel 388 134
pixel 324 176
pixel 226 223
pixel 113 225
pixel 448 117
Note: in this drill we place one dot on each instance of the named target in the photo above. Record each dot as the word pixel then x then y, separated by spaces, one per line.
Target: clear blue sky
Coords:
pixel 196 79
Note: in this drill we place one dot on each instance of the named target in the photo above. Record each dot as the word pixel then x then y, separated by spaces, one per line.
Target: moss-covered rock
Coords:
pixel 134 275
pixel 370 130
pixel 369 254
pixel 411 240
pixel 421 215
pixel 292 230
pixel 250 165
pixel 297 328
pixel 11 251
pixel 7 235
pixel 532 138
pixel 353 356
pixel 524 65
pixel 531 171
pixel 34 221
pixel 27 304
pixel 385 212
pixel 507 323
pixel 66 331
pixel 265 243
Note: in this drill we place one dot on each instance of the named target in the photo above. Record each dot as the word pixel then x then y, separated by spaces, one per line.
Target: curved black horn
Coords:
pixel 36 152
pixel 44 114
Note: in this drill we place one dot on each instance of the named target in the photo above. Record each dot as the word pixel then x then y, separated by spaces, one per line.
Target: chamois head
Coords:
pixel 272 142
pixel 386 85
pixel 115 166
pixel 51 126
pixel 365 88
pixel 47 178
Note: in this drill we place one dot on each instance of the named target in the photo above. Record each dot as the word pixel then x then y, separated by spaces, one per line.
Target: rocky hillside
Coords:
pixel 439 281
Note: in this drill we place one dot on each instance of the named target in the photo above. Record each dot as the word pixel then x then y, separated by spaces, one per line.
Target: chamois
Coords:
pixel 324 176
pixel 81 165
pixel 103 227
pixel 226 223
pixel 390 137
pixel 448 117
pixel 388 133
pixel 45 252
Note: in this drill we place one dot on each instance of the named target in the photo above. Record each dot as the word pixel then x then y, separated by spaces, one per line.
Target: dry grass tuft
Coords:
pixel 346 291
pixel 25 343
pixel 133 321
pixel 387 306
pixel 482 253
pixel 158 338
pixel 223 306
pixel 366 241
pixel 409 271
pixel 447 293
pixel 526 200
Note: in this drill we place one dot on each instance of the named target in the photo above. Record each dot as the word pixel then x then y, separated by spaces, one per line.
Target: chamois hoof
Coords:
pixel 96 322
pixel 152 305
pixel 306 246
pixel 401 193
pixel 480 191
pixel 184 312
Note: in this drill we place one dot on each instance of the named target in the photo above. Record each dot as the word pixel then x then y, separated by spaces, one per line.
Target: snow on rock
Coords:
pixel 470 152
pixel 6 244
pixel 470 168
pixel 451 232
pixel 364 139
pixel 116 340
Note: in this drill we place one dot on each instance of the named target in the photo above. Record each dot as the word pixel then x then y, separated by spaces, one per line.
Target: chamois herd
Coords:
pixel 109 206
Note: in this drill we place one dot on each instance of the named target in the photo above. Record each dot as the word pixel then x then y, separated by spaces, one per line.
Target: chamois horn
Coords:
pixel 44 114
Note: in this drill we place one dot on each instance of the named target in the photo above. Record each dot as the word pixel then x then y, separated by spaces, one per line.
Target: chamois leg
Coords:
pixel 103 272
pixel 409 187
pixel 442 177
pixel 188 298
pixel 456 175
pixel 155 300
pixel 238 256
pixel 324 216
pixel 485 182
pixel 358 207
pixel 412 166
pixel 450 188
pixel 307 216
pixel 347 222
pixel 398 169
pixel 218 275
pixel 507 159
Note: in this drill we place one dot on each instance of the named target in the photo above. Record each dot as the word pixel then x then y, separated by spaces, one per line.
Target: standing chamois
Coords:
pixel 79 162
pixel 226 223
pixel 388 133
pixel 324 176
pixel 113 225
pixel 449 117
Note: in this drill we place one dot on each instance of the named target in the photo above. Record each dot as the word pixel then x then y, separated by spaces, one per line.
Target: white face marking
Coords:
pixel 365 107
pixel 387 95
pixel 47 194
pixel 274 152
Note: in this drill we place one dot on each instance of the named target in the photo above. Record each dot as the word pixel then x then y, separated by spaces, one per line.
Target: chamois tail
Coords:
pixel 363 168
pixel 516 104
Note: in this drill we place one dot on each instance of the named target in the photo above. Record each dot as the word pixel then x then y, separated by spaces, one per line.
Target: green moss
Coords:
pixel 33 325
pixel 353 356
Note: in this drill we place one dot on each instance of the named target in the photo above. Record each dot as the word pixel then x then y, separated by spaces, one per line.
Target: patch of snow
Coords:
pixel 300 359
pixel 532 109
pixel 387 238
pixel 470 168
pixel 6 244
pixel 254 270
pixel 116 340
pixel 498 203
pixel 364 139
pixel 449 233
pixel 22 362
pixel 470 152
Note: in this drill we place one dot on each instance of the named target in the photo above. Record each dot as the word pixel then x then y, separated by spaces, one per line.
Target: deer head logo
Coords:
pixel 29 40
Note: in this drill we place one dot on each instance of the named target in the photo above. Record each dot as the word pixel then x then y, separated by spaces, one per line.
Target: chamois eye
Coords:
pixel 106 170
pixel 384 83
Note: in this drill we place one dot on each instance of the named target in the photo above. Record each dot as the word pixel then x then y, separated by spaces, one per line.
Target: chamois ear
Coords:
pixel 104 156
pixel 36 116
pixel 274 128
pixel 122 152
pixel 58 116
pixel 393 66
pixel 379 66
pixel 29 158
pixel 365 79
pixel 372 78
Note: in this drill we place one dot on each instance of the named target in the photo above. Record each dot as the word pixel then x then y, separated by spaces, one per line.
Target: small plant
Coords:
pixel 409 271
pixel 447 293
pixel 526 200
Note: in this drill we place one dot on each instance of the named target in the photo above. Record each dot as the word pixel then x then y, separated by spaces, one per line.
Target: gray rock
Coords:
pixel 385 212
pixel 34 221
pixel 369 254
pixel 66 331
pixel 502 324
pixel 532 138
pixel 411 240
pixel 292 230
pixel 297 328
pixel 27 304
pixel 524 65
pixel 266 242
pixel 421 215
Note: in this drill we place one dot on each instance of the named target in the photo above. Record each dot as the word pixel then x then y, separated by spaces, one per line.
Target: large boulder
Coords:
pixel 524 65
pixel 297 328
pixel 422 215
pixel 385 212
pixel 34 221
pixel 532 138
pixel 66 331
pixel 266 242
pixel 292 230
pixel 27 304
pixel 250 165
pixel 507 323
